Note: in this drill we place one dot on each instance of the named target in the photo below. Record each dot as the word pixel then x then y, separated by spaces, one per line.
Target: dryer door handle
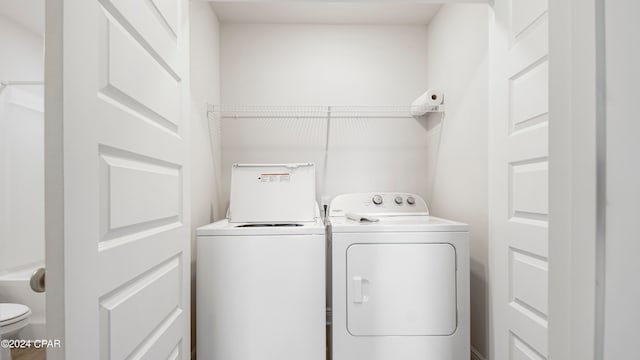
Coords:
pixel 360 287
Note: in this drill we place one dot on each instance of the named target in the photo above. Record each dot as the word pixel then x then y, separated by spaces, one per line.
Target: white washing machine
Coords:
pixel 261 284
pixel 400 280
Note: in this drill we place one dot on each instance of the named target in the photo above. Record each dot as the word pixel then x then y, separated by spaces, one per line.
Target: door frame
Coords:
pixel 576 179
pixel 54 176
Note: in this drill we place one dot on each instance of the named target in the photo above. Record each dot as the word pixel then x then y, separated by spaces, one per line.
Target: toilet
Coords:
pixel 13 318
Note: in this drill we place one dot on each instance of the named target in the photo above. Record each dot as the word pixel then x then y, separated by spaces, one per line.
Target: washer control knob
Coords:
pixel 377 199
pixel 411 200
pixel 398 200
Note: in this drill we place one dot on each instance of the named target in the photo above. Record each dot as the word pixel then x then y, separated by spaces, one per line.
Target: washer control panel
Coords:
pixel 381 203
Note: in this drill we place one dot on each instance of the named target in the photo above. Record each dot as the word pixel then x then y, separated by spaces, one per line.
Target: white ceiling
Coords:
pixel 28 13
pixel 325 12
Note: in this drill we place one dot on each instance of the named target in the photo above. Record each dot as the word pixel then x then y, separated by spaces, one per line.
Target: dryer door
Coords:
pixel 401 289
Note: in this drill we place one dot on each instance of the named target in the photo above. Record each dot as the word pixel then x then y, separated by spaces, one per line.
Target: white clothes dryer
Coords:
pixel 400 280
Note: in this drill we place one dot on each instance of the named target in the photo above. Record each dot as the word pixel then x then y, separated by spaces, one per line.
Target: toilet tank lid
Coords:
pixel 9 312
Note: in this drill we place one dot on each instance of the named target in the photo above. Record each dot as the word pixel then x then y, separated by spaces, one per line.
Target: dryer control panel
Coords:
pixel 381 204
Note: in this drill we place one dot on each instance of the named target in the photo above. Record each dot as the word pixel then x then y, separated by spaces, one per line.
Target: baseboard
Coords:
pixel 475 354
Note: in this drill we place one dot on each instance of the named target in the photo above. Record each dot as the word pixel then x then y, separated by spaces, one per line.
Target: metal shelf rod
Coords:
pixel 333 116
pixel 320 112
pixel 7 83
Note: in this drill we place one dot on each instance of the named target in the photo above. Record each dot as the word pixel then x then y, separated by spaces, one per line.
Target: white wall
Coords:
pixel 328 65
pixel 21 148
pixel 205 144
pixel 22 51
pixel 458 64
pixel 622 295
pixel 205 89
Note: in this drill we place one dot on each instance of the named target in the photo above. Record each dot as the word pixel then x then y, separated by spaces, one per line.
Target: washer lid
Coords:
pixel 12 313
pixel 418 223
pixel 226 228
pixel 263 193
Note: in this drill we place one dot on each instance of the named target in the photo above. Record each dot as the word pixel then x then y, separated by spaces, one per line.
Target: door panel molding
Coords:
pixel 518 178
pixel 118 245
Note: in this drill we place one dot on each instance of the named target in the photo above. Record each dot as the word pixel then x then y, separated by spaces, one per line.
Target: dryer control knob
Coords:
pixel 377 199
pixel 398 200
pixel 411 200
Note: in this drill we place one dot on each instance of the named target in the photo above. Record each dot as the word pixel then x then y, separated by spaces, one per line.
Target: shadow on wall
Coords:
pixel 431 121
pixel 433 125
pixel 479 302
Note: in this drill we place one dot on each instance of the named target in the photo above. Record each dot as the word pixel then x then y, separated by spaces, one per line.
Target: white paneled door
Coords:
pixel 118 253
pixel 518 194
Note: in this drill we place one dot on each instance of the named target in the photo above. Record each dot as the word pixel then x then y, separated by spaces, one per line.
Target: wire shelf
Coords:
pixel 323 112
pixel 20 83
